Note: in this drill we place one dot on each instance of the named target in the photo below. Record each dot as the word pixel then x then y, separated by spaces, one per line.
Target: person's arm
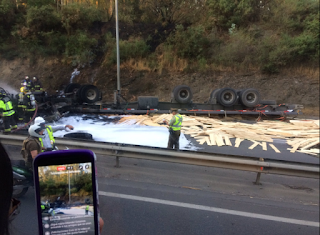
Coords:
pixel 61 127
pixel 172 121
pixel 34 153
pixel 33 148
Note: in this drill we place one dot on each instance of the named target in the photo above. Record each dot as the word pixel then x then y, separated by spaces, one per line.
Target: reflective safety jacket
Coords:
pixel 6 107
pixel 176 126
pixel 37 86
pixel 50 133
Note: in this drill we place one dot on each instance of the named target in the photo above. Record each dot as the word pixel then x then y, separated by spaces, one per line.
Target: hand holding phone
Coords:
pixel 66 192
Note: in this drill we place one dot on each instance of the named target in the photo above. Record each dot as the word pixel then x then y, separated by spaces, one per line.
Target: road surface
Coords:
pixel 148 197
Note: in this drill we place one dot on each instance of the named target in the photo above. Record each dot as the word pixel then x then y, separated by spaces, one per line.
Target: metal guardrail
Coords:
pixel 243 163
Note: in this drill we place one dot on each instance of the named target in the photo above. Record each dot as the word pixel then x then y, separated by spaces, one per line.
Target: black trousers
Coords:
pixel 9 123
pixel 173 142
pixel 27 116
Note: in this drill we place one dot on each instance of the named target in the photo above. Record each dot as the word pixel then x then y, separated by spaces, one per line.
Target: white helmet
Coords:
pixel 39 120
pixel 35 129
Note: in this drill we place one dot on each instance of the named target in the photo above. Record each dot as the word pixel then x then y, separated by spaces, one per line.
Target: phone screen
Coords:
pixel 66 196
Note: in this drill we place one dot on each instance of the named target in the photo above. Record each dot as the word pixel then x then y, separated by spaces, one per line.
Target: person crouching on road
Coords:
pixel 48 141
pixel 31 146
pixel 174 129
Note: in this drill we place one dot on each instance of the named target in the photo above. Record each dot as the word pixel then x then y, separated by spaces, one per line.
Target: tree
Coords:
pixel 173 11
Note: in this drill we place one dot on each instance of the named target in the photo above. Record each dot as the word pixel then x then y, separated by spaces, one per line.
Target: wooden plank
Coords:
pixel 310 145
pixel 227 140
pixel 274 148
pixel 295 147
pixel 254 145
pixel 212 139
pixel 264 146
pixel 208 141
pixel 219 140
pixel 238 141
pixel 202 141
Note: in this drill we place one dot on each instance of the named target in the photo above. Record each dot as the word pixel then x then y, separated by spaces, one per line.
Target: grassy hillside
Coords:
pixel 168 35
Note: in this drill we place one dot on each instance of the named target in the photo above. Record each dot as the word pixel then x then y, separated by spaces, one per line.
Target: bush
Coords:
pixel 43 18
pixel 7 18
pixel 79 17
pixel 191 43
pixel 79 47
pixel 226 12
pixel 133 48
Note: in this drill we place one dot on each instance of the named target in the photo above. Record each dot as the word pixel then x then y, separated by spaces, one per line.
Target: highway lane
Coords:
pixel 156 194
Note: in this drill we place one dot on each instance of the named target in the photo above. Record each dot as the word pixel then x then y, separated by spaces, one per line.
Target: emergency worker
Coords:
pixel 87 209
pixel 7 112
pixel 21 105
pixel 29 105
pixel 28 83
pixel 37 86
pixel 174 129
pixel 31 146
pixel 48 142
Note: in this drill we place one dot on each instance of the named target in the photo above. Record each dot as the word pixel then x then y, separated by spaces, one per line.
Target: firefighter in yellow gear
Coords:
pixel 21 105
pixel 37 86
pixel 29 106
pixel 7 112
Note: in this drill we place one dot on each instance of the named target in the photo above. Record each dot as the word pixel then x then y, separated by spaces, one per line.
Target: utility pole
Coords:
pixel 118 53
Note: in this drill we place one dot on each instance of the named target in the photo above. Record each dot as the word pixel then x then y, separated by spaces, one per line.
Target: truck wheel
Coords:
pixel 90 94
pixel 72 87
pixel 182 94
pixel 249 97
pixel 79 135
pixel 227 97
pixel 213 96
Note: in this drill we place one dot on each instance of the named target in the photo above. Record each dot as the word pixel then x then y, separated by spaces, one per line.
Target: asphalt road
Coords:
pixel 149 197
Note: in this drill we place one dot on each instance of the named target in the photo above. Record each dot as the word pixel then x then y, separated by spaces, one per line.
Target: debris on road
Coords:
pixel 302 135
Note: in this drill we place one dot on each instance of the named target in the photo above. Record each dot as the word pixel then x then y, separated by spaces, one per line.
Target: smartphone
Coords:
pixel 66 192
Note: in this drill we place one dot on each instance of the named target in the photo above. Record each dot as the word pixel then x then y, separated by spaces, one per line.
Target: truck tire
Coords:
pixel 182 94
pixel 227 97
pixel 79 135
pixel 89 94
pixel 72 87
pixel 268 102
pixel 249 97
pixel 148 102
pixel 213 96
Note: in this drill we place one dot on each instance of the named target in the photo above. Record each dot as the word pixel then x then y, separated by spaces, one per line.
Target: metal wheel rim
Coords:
pixel 91 94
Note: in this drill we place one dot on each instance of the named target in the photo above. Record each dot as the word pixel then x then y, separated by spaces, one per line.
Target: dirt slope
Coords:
pixel 300 86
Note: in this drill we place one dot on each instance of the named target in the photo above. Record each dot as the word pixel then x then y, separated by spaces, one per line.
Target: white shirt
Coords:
pixel 46 139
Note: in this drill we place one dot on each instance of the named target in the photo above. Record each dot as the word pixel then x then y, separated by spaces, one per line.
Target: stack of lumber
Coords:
pixel 302 135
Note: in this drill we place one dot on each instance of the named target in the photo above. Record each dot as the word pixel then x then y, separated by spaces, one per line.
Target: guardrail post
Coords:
pixel 257 182
pixel 117 160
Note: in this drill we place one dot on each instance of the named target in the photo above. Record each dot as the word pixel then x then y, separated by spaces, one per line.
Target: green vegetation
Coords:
pixel 172 34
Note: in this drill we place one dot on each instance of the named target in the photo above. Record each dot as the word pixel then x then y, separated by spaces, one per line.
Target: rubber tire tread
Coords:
pixel 220 97
pixel 242 96
pixel 179 99
pixel 70 87
pixel 213 95
pixel 84 97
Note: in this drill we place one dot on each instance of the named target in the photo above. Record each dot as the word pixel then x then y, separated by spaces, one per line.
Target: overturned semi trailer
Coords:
pixel 225 101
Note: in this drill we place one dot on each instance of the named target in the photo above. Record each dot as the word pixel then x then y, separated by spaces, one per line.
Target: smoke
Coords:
pixel 8 88
pixel 74 73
